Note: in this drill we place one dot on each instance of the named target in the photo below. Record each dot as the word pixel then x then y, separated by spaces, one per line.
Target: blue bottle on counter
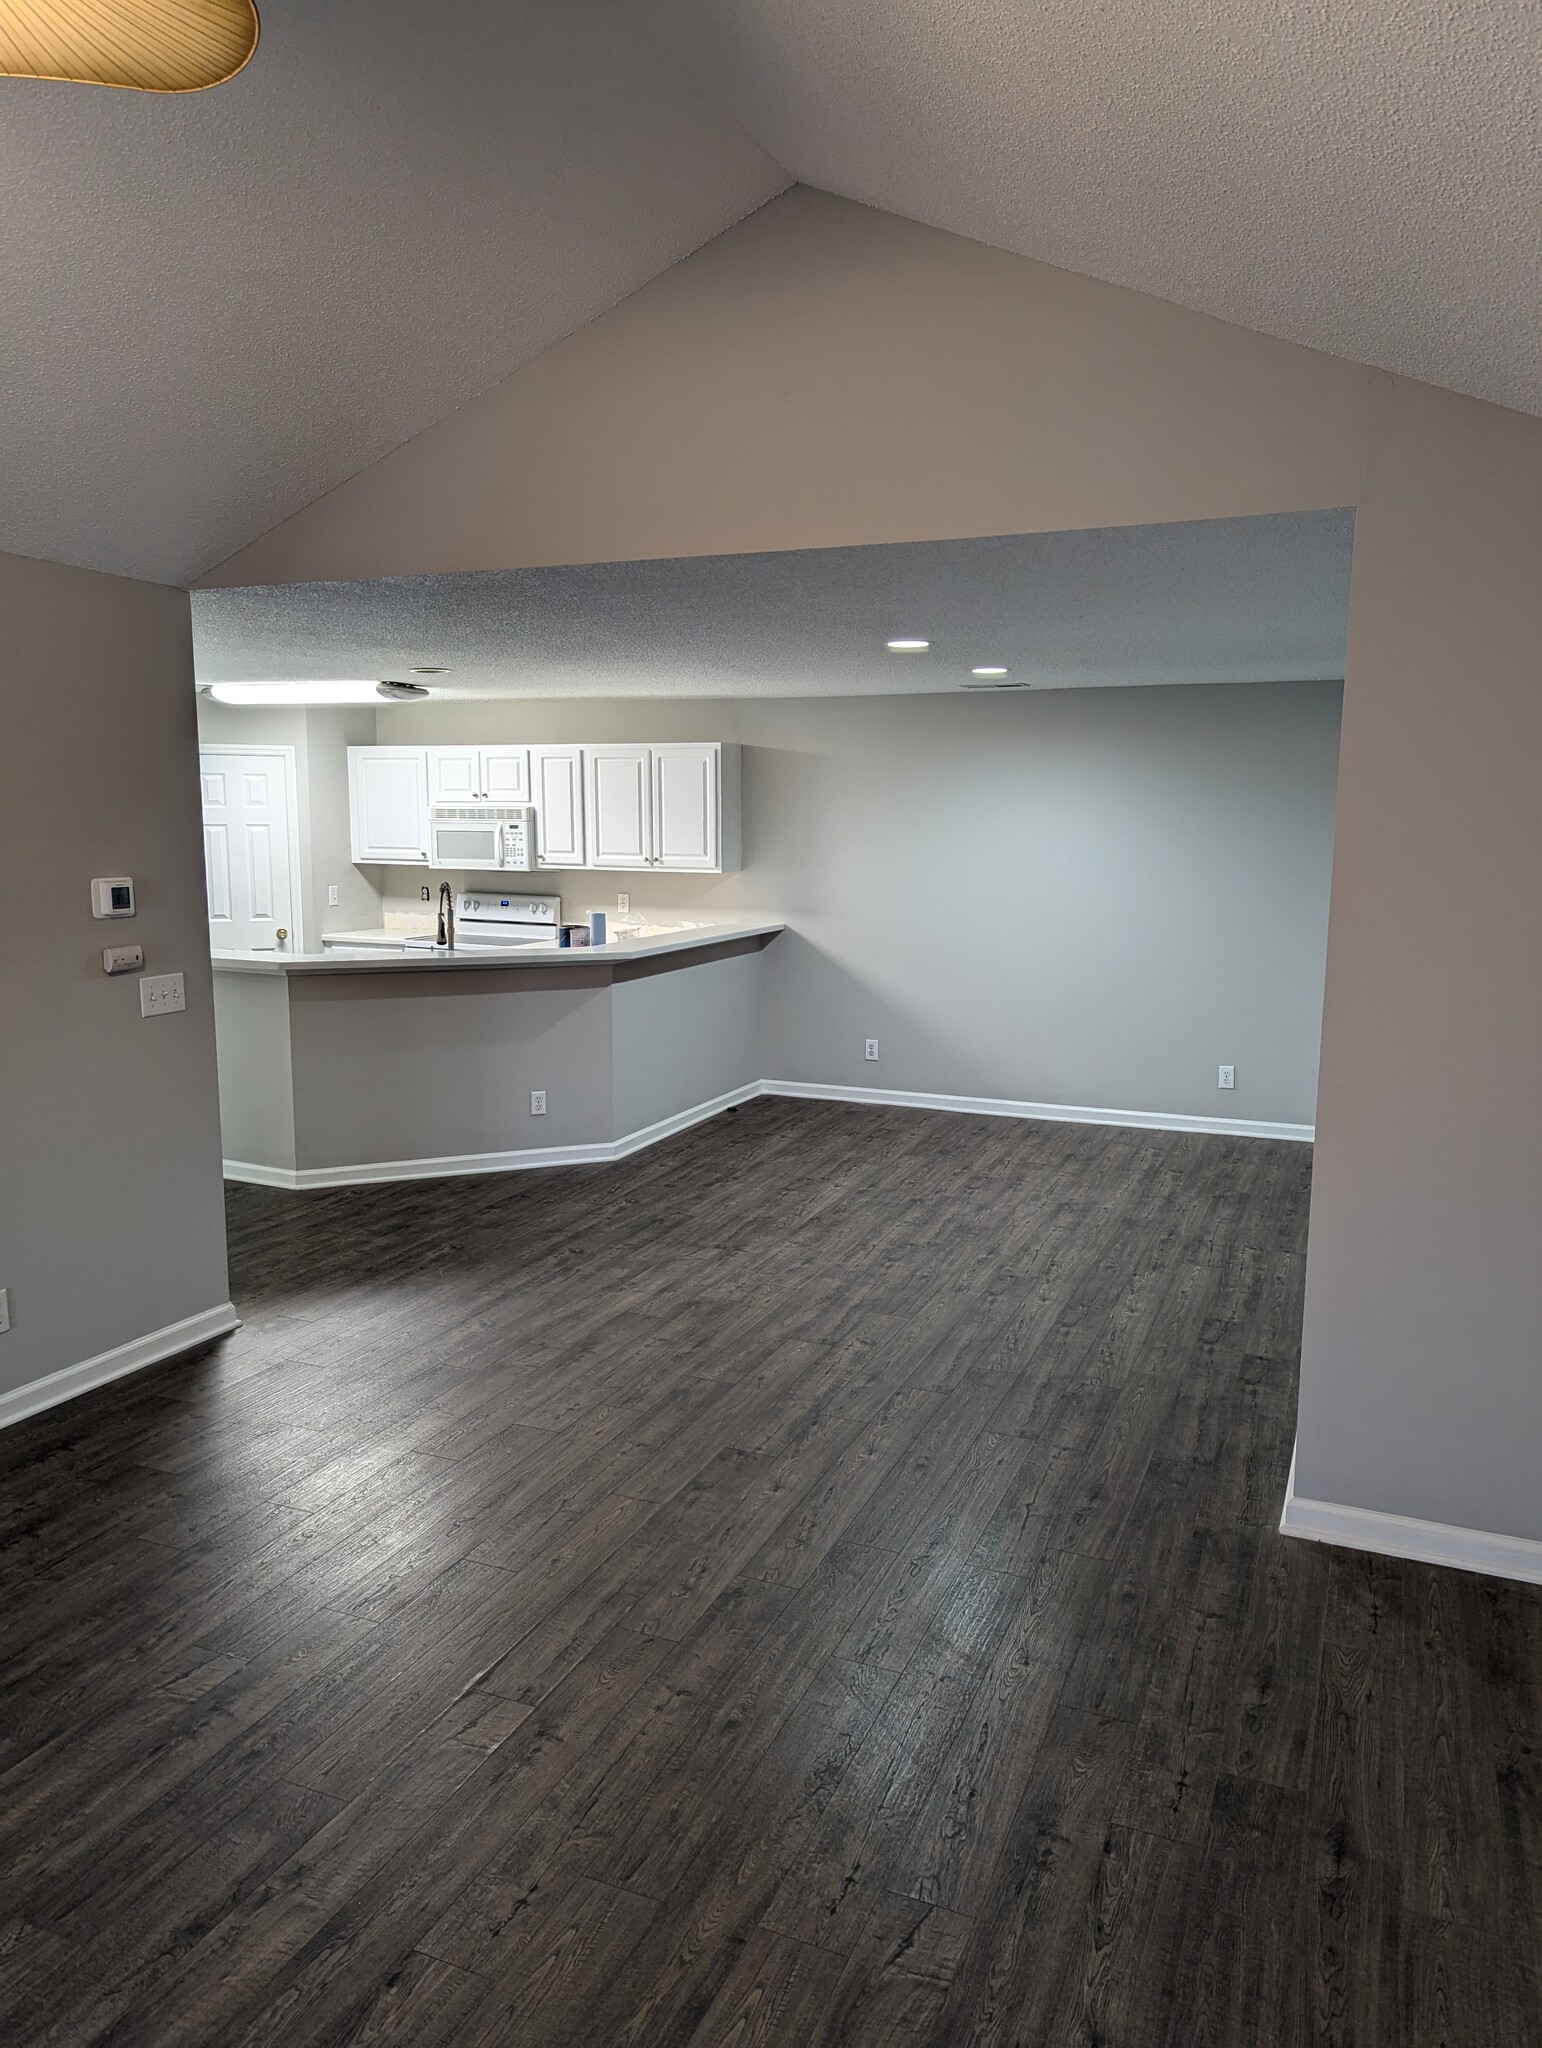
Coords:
pixel 596 927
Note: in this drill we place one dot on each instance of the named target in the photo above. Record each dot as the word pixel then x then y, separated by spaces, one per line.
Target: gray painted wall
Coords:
pixel 688 1036
pixel 251 1029
pixel 408 1068
pixel 1082 897
pixel 1421 1381
pixel 111 1219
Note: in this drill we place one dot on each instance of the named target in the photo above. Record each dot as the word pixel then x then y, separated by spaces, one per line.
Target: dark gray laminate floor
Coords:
pixel 813 1583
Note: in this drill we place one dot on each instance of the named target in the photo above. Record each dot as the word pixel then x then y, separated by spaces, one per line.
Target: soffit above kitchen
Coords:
pixel 220 305
pixel 1365 178
pixel 1203 601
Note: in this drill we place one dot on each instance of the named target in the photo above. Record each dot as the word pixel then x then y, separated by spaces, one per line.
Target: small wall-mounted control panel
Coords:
pixel 112 896
pixel 122 959
pixel 160 994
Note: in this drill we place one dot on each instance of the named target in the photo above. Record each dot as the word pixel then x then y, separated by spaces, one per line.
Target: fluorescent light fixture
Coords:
pixel 987 671
pixel 298 693
pixel 907 646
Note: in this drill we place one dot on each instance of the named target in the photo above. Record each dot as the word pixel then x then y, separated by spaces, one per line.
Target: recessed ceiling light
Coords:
pixel 987 671
pixel 297 694
pixel 430 671
pixel 907 646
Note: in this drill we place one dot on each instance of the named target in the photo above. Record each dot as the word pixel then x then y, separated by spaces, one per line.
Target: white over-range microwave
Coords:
pixel 480 838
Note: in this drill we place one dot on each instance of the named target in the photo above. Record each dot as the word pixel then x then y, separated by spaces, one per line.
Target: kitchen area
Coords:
pixel 472 1023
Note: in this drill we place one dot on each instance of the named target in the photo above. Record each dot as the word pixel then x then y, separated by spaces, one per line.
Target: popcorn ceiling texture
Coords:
pixel 217 307
pixel 1200 601
pixel 1364 176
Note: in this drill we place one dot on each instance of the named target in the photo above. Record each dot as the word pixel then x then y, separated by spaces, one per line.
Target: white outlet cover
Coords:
pixel 870 1049
pixel 5 1308
pixel 1226 1077
pixel 538 1102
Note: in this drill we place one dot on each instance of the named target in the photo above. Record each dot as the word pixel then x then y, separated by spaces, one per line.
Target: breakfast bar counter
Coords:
pixel 362 1064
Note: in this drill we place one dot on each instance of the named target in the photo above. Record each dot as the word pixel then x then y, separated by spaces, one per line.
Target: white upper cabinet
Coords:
pixel 620 791
pixel 672 808
pixel 506 775
pixel 454 775
pixel 557 791
pixel 469 775
pixel 388 803
pixel 685 808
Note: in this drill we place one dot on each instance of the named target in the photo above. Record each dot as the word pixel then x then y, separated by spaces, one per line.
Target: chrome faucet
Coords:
pixel 445 936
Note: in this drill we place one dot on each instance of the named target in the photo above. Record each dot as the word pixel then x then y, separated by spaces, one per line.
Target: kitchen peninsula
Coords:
pixel 343 1067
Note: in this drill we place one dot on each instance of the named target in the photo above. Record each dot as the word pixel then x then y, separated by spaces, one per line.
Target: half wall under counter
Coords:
pixel 336 1070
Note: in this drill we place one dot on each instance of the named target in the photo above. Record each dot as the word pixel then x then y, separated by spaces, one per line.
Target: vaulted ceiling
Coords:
pixel 216 308
pixel 1364 176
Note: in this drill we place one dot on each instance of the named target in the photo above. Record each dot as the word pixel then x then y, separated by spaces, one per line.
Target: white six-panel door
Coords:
pixel 247 846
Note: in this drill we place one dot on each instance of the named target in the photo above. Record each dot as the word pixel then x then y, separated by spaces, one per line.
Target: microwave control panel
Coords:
pixel 519 842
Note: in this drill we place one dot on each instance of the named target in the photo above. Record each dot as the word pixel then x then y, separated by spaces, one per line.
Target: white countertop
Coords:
pixel 371 953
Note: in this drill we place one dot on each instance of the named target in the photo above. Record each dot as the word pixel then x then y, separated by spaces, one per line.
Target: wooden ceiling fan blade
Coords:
pixel 142 45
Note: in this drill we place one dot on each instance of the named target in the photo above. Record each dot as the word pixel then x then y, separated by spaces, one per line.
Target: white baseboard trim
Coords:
pixel 1467 1550
pixel 64 1385
pixel 451 1165
pixel 1045 1112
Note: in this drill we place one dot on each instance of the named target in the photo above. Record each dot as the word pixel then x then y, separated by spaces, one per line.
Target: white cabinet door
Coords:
pixel 506 775
pixel 685 808
pixel 454 774
pixel 388 804
pixel 620 790
pixel 557 790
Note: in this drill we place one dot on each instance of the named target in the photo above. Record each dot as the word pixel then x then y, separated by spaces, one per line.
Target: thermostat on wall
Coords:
pixel 112 896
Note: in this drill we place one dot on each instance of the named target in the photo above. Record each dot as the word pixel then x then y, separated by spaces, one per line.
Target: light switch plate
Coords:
pixel 160 994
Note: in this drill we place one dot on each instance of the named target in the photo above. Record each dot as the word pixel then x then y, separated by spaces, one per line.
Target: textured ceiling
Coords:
pixel 217 307
pixel 1209 601
pixel 1364 176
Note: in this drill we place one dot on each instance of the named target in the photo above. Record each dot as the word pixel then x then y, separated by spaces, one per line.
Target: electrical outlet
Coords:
pixel 538 1102
pixel 1226 1077
pixel 332 896
pixel 870 1049
pixel 160 994
pixel 5 1310
pixel 624 904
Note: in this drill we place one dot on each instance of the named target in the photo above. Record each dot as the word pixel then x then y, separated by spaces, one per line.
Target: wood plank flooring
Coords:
pixel 814 1583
